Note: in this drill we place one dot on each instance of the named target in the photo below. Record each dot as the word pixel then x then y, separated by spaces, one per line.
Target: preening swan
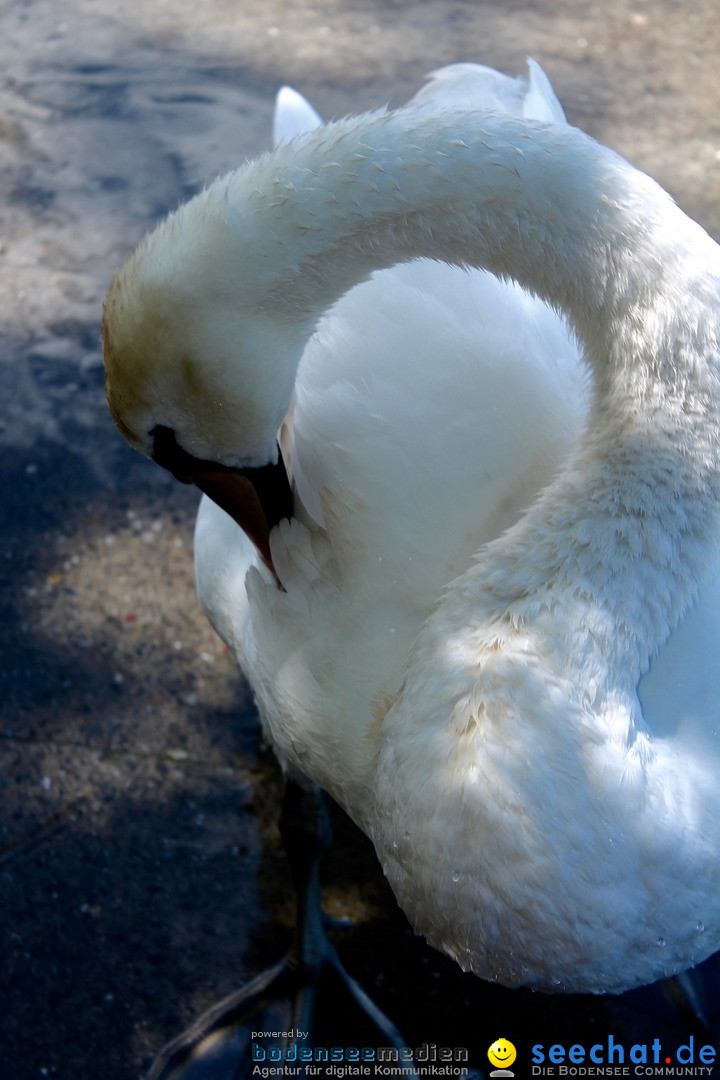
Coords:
pixel 488 625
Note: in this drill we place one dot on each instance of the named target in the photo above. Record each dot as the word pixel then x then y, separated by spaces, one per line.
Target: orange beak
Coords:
pixel 256 498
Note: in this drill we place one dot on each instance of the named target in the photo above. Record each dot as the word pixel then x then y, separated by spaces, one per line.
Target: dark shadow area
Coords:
pixel 109 926
pixel 120 931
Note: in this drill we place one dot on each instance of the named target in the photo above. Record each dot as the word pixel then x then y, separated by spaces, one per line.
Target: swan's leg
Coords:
pixel 217 1046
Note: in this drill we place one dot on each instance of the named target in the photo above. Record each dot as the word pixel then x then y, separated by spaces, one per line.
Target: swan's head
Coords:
pixel 199 365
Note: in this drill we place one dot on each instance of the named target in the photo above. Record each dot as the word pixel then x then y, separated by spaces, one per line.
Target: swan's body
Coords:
pixel 485 677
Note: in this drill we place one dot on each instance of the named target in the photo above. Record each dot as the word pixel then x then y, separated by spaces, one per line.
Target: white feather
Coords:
pixel 496 640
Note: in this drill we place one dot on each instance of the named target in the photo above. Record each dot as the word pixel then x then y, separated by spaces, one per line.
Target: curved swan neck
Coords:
pixel 543 204
pixel 574 223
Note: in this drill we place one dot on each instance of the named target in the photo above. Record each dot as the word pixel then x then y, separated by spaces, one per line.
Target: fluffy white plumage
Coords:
pixel 496 642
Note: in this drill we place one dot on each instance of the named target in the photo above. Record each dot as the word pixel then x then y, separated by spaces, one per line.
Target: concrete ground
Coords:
pixel 141 876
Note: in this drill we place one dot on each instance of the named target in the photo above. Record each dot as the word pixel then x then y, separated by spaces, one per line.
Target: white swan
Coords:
pixel 514 694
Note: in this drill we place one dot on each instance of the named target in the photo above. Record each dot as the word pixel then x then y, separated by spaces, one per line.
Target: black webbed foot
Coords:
pixel 296 994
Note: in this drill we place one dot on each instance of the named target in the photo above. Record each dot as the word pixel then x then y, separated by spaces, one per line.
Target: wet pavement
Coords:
pixel 141 876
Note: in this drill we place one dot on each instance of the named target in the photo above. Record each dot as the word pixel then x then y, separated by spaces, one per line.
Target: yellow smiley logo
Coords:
pixel 502 1053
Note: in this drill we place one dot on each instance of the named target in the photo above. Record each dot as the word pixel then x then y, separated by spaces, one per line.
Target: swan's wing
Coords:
pixel 474 86
pixel 432 395
pixel 293 115
pixel 457 86
pixel 540 101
